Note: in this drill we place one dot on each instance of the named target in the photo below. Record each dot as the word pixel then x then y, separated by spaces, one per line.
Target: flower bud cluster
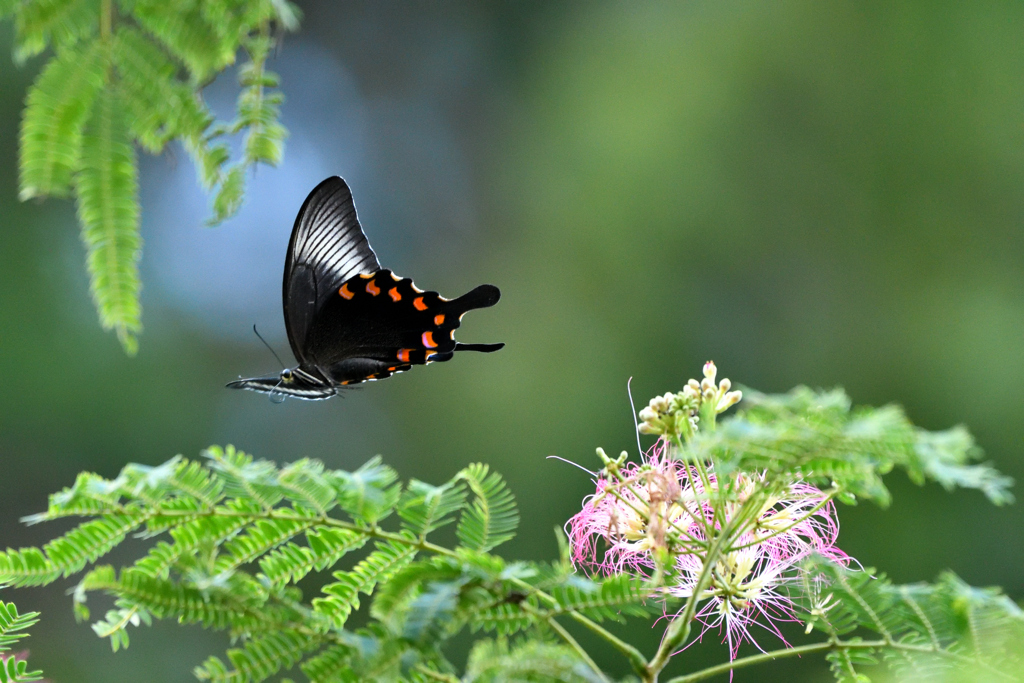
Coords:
pixel 671 414
pixel 676 415
pixel 717 395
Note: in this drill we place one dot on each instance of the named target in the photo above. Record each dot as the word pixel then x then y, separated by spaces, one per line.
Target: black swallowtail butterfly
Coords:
pixel 349 320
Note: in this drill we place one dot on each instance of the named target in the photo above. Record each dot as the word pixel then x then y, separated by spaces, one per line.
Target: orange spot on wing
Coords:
pixel 393 293
pixel 403 355
pixel 372 288
pixel 392 369
pixel 345 293
pixel 418 303
pixel 439 319
pixel 428 340
pixel 366 276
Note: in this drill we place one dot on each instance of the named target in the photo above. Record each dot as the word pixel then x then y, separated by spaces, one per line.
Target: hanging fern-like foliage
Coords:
pixel 108 208
pixel 131 73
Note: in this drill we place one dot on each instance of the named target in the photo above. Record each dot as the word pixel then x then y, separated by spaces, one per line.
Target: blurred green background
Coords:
pixel 828 193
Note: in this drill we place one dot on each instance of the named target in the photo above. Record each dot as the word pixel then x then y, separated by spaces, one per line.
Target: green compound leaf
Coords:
pixel 430 613
pixel 324 547
pixel 154 57
pixel 16 671
pixel 424 508
pixel 229 196
pixel 492 518
pixel 187 35
pixel 612 598
pixel 260 658
pixel 58 106
pixel 245 477
pixel 231 605
pixel 161 106
pixel 926 631
pixel 61 21
pixel 493 661
pixel 12 623
pixel 342 597
pixel 260 538
pixel 259 110
pixel 67 554
pixel 108 208
pixel 369 494
pixel 189 538
pixel 329 664
pixel 819 437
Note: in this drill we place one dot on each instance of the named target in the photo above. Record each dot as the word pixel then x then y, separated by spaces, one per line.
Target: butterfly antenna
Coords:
pixel 636 425
pixel 258 335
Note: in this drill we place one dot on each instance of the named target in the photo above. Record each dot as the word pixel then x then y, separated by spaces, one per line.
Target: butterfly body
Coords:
pixel 348 319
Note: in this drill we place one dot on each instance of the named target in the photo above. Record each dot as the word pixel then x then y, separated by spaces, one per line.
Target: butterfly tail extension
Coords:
pixel 482 348
pixel 483 296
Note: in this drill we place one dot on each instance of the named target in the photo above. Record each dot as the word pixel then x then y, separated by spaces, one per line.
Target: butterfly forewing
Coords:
pixel 327 248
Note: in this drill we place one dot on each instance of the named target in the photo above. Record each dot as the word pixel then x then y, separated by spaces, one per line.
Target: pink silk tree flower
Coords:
pixel 750 581
pixel 665 508
pixel 649 506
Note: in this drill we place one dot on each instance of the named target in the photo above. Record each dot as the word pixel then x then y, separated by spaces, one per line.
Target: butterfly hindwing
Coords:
pixel 327 247
pixel 378 324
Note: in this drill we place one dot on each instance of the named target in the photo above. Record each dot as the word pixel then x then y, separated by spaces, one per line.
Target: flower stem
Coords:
pixel 679 629
pixel 761 658
pixel 436 675
pixel 635 657
pixel 577 648
pixel 106 19
pixel 764 657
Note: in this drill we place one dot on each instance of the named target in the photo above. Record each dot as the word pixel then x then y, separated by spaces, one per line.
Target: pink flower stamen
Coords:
pixel 664 504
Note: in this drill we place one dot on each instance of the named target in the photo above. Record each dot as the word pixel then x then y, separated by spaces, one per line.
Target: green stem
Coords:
pixel 761 659
pixel 679 629
pixel 764 657
pixel 571 642
pixel 122 622
pixel 635 657
pixel 322 520
pixel 436 675
pixel 106 19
